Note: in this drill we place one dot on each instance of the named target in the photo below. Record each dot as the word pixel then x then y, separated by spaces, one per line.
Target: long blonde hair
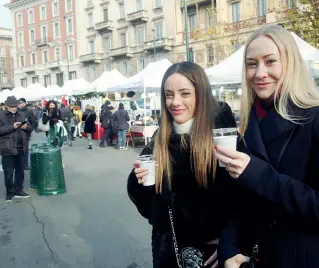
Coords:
pixel 295 84
pixel 201 136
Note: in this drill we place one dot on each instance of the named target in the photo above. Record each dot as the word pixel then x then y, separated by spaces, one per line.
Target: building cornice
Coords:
pixel 21 3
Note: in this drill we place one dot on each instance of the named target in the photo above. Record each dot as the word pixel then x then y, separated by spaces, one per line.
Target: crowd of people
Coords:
pixel 259 210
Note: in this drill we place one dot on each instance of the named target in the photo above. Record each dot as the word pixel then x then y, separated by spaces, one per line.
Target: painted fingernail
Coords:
pixel 215 147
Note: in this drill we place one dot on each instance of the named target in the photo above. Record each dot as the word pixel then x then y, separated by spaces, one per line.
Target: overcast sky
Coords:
pixel 5 15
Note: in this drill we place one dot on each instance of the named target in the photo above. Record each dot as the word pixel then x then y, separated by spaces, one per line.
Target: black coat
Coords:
pixel 279 192
pixel 89 118
pixel 9 134
pixel 200 214
pixel 122 118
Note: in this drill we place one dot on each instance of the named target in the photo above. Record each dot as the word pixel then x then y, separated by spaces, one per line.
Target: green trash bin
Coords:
pixel 50 171
pixel 34 166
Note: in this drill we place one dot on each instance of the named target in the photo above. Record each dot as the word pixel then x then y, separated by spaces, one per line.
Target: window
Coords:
pixel 3 63
pixel 107 67
pixel 291 4
pixel 159 31
pixel 33 59
pixel 43 12
pixel 235 11
pixel 123 39
pixel 192 21
pixel 31 16
pixel 19 20
pixel 35 79
pixel 139 5
pixel 105 14
pixel 44 34
pixel 1 50
pixel 70 52
pixel 21 61
pixel 20 39
pixel 90 16
pixel 32 36
pixel 124 67
pixel 56 29
pixel 59 79
pixel 45 57
pixel 47 80
pixel 121 7
pixel 72 75
pixel 262 8
pixel 3 78
pixel 55 8
pixel 93 71
pixel 140 35
pixel 89 2
pixel 70 28
pixel 212 18
pixel 92 47
pixel 158 3
pixel 142 63
pixel 68 5
pixel 24 82
pixel 107 43
pixel 57 54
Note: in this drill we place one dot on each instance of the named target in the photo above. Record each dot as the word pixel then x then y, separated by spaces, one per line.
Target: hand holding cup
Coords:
pixel 140 173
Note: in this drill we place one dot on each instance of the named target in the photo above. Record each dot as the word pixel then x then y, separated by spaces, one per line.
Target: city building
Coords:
pixel 44 41
pixel 6 60
pixel 59 40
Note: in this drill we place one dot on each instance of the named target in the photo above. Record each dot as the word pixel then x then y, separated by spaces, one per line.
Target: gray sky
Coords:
pixel 5 15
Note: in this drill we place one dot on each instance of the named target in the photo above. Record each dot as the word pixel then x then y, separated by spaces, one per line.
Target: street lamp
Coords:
pixel 153 30
pixel 186 30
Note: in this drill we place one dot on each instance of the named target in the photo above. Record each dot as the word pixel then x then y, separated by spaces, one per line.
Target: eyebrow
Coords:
pixel 272 54
pixel 182 89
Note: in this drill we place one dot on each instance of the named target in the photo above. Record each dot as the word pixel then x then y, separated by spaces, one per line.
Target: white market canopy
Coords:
pixel 4 94
pixel 108 80
pixel 76 87
pixel 229 71
pixel 150 78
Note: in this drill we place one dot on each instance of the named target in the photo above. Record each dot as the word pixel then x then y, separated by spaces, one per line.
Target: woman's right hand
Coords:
pixel 140 173
pixel 236 261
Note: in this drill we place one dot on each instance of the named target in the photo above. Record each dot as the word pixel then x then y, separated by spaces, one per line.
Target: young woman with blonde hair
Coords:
pixel 278 170
pixel 189 183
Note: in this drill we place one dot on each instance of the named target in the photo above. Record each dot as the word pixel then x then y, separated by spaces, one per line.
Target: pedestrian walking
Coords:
pixel 89 118
pixel 122 118
pixel 105 123
pixel 14 132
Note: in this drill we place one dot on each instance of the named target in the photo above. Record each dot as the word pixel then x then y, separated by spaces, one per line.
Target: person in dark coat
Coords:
pixel 89 118
pixel 122 118
pixel 277 169
pixel 14 132
pixel 113 127
pixel 28 113
pixel 200 194
pixel 105 123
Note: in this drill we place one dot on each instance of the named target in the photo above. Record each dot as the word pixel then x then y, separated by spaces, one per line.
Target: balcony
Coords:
pixel 138 16
pixel 244 24
pixel 164 43
pixel 43 42
pixel 53 65
pixel 195 2
pixel 122 52
pixel 92 57
pixel 30 69
pixel 104 26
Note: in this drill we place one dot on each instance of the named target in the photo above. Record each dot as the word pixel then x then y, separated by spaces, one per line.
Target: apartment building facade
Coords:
pixel 56 40
pixel 6 60
pixel 44 41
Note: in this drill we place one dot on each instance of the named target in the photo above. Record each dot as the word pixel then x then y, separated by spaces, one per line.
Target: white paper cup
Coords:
pixel 226 141
pixel 150 178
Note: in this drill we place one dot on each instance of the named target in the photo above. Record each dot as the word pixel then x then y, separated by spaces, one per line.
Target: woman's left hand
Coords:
pixel 235 162
pixel 213 257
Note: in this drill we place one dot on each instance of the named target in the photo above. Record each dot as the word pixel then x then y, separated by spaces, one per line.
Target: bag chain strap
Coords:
pixel 174 238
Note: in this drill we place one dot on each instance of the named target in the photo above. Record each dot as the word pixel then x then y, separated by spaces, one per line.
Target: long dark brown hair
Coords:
pixel 201 135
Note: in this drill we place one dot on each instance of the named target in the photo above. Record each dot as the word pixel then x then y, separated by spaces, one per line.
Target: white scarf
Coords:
pixel 184 128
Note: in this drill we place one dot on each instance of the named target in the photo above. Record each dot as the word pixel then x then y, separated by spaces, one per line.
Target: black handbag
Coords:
pixel 188 257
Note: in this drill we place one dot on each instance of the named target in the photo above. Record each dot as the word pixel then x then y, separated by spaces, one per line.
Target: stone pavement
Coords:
pixel 93 225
